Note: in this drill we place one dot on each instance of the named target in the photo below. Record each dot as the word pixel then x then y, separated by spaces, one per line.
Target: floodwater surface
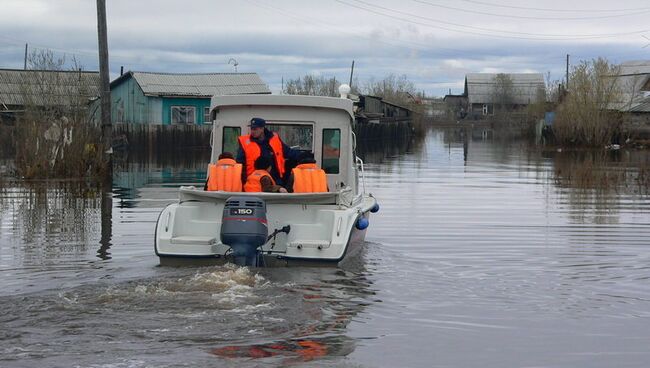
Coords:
pixel 484 253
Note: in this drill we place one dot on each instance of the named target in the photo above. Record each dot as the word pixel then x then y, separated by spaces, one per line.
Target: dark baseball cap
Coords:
pixel 257 123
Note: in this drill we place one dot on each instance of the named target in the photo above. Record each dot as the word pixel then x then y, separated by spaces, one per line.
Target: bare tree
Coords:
pixel 585 116
pixel 394 88
pixel 503 92
pixel 311 85
pixel 54 137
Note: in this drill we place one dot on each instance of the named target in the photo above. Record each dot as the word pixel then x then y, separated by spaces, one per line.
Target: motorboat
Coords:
pixel 264 229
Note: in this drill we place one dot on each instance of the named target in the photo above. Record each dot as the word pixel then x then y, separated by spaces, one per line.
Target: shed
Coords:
pixel 175 98
pixel 481 90
pixel 377 107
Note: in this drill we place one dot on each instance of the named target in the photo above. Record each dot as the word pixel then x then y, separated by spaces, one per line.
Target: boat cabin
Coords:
pixel 322 125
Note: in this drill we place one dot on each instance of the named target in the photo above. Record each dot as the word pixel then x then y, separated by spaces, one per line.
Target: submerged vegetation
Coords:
pixel 585 117
pixel 55 135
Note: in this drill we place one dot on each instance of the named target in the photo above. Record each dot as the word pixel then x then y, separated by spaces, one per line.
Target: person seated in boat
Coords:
pixel 307 177
pixel 224 175
pixel 263 142
pixel 260 180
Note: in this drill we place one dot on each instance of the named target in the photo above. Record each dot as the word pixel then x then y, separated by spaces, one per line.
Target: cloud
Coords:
pixel 435 46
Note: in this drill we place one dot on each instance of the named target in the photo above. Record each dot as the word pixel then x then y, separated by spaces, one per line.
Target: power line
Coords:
pixel 397 43
pixel 635 13
pixel 391 42
pixel 540 36
pixel 555 9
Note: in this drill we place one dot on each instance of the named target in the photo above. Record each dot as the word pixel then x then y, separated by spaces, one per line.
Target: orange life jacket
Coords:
pixel 308 178
pixel 225 175
pixel 252 151
pixel 254 181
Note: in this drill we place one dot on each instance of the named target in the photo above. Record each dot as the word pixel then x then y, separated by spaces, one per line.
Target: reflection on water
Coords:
pixel 601 170
pixel 50 218
pixel 133 171
pixel 487 253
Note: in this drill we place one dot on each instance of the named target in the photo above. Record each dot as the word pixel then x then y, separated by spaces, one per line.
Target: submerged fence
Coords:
pixel 153 138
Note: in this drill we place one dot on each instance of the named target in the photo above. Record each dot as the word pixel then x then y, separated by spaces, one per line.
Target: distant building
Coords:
pixel 44 88
pixel 456 106
pixel 375 109
pixel 434 108
pixel 634 83
pixel 167 98
pixel 482 91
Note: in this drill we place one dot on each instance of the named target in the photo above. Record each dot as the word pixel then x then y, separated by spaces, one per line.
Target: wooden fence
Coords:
pixel 152 138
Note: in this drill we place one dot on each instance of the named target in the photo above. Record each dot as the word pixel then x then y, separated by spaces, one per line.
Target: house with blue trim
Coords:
pixel 171 98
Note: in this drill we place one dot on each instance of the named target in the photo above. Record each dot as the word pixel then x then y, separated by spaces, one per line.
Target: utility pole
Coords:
pixel 105 97
pixel 351 72
pixel 25 67
pixel 567 71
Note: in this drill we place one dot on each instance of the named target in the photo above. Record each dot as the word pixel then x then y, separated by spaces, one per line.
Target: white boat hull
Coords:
pixel 189 231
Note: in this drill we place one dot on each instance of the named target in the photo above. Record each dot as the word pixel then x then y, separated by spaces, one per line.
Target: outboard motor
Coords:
pixel 244 228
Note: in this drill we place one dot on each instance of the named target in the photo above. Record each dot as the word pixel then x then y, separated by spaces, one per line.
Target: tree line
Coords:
pixel 395 88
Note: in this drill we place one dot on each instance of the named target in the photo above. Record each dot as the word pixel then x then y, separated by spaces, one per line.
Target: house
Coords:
pixel 44 89
pixel 168 98
pixel 485 91
pixel 634 83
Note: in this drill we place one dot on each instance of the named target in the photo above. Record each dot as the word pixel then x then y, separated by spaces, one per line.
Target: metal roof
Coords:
pixel 46 87
pixel 633 81
pixel 284 100
pixel 479 87
pixel 196 85
pixel 642 105
pixel 635 67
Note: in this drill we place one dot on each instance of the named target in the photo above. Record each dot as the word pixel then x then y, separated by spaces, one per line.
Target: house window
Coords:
pixel 182 114
pixel 331 150
pixel 206 115
pixel 488 109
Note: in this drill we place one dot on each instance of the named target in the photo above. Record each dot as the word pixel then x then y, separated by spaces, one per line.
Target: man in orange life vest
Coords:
pixel 307 177
pixel 225 174
pixel 260 179
pixel 263 142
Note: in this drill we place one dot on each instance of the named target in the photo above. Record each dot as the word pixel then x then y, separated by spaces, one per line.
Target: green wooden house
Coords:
pixel 166 98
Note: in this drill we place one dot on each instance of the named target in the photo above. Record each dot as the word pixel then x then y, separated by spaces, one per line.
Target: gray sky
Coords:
pixel 433 42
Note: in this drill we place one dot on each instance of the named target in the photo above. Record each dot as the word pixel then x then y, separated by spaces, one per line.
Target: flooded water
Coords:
pixel 484 253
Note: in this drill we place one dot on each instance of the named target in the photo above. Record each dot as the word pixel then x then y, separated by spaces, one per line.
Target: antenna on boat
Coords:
pixel 344 90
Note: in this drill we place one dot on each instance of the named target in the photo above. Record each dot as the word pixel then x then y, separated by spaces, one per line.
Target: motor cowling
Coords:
pixel 244 228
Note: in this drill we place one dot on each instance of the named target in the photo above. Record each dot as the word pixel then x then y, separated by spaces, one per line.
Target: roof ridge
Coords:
pixel 169 73
pixel 46 70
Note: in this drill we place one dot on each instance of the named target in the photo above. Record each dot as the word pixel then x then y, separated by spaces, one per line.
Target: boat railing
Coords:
pixel 363 177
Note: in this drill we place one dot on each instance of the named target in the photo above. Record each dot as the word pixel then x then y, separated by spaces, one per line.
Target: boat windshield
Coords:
pixel 297 136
